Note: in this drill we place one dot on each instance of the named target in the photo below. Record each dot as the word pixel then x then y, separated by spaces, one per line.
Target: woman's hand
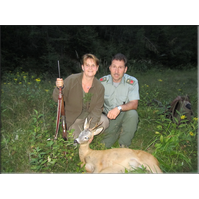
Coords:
pixel 59 82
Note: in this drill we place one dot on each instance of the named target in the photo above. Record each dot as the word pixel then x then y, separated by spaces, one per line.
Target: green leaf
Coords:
pixel 33 160
pixel 53 161
pixel 176 120
pixel 44 161
pixel 35 119
pixel 36 111
pixel 161 138
pixel 182 125
pixel 42 153
pixel 167 139
pixel 50 143
pixel 159 127
pixel 33 167
pixel 41 115
pixel 38 149
pixel 158 145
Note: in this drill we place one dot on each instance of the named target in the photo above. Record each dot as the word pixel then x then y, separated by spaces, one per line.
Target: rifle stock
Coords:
pixel 64 126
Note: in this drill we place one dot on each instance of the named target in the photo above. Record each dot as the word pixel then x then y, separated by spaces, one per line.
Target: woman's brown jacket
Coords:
pixel 73 97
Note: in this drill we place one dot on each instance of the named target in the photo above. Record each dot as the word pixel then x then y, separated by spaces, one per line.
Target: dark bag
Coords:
pixel 181 105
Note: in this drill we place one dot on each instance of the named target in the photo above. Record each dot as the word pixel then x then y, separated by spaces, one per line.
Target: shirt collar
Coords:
pixel 110 81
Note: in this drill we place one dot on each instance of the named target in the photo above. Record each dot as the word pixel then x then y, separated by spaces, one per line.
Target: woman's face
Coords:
pixel 90 68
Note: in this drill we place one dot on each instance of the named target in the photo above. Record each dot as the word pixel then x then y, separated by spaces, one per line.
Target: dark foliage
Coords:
pixel 38 48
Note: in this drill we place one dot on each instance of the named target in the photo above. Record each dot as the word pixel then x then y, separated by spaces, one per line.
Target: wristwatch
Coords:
pixel 119 108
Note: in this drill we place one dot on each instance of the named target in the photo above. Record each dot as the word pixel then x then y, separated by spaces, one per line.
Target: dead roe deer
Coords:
pixel 114 160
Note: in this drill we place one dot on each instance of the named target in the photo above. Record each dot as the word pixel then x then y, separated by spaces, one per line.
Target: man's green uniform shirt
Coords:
pixel 127 90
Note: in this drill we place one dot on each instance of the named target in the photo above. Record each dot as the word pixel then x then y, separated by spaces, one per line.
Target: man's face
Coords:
pixel 117 69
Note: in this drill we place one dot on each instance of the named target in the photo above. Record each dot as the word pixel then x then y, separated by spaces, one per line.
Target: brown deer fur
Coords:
pixel 114 160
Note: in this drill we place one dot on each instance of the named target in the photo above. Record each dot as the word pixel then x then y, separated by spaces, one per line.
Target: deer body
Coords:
pixel 112 160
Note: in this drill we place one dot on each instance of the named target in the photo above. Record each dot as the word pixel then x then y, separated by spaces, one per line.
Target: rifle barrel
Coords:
pixel 58 69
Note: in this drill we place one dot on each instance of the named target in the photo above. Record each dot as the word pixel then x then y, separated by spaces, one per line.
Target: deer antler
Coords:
pixel 95 126
pixel 88 124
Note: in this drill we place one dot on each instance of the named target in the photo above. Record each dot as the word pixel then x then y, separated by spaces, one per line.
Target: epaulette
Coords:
pixel 103 79
pixel 130 81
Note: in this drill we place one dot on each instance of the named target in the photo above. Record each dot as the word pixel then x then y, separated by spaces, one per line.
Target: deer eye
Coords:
pixel 86 138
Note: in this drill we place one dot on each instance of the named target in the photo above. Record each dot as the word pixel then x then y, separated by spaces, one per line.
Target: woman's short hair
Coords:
pixel 91 56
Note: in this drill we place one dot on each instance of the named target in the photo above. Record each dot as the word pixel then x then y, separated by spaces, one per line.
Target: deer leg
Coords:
pixel 151 168
pixel 154 168
pixel 134 163
pixel 89 168
pixel 113 169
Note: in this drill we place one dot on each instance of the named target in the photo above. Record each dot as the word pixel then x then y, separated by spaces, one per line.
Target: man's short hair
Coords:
pixel 120 57
pixel 91 56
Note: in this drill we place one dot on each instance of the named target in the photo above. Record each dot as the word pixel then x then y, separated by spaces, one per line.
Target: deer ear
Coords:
pixel 97 131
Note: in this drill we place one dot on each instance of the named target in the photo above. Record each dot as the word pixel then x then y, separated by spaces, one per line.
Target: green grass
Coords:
pixel 28 116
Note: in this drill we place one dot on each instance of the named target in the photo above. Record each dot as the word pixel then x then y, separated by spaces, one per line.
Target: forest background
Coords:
pixel 37 47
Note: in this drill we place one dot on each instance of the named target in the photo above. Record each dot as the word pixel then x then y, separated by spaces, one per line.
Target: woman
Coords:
pixel 83 96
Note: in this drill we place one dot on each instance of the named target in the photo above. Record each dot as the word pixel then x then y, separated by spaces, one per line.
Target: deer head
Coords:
pixel 86 136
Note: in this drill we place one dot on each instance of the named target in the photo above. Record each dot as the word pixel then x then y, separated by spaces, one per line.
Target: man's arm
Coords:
pixel 132 105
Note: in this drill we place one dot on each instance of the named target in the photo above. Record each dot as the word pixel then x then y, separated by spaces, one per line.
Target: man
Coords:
pixel 120 103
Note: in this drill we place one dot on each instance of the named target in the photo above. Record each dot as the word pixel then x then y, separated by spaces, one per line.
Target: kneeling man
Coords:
pixel 120 103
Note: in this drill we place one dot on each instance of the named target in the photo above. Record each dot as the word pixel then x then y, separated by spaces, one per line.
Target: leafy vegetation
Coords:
pixel 28 116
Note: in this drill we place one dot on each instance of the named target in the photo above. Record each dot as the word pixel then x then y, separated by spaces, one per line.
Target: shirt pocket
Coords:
pixel 121 100
pixel 107 100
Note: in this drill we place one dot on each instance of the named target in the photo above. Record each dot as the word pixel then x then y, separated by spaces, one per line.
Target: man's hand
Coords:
pixel 59 82
pixel 112 114
pixel 132 105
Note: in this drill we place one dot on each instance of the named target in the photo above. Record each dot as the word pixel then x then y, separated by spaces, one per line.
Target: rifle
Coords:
pixel 60 109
